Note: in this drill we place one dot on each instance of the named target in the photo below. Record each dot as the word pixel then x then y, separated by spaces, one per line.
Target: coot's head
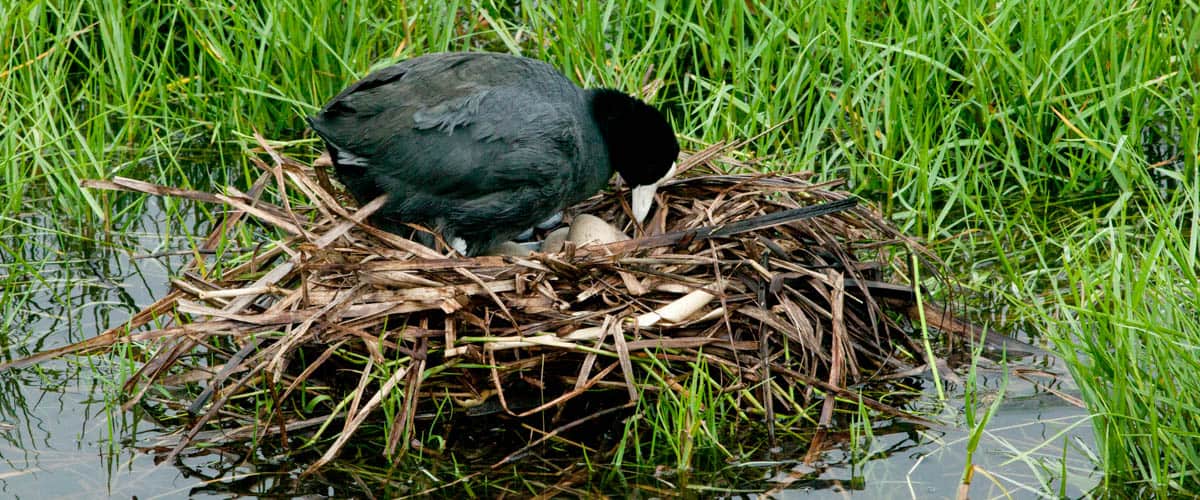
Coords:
pixel 641 145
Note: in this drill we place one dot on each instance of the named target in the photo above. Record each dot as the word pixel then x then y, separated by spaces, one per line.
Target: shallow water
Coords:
pixel 62 443
pixel 59 442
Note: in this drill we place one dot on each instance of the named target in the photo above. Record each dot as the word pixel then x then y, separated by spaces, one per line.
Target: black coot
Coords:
pixel 483 146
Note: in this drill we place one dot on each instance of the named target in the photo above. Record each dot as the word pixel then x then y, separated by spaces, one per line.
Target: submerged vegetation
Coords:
pixel 1046 150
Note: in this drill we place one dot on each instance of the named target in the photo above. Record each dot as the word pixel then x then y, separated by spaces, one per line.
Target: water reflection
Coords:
pixel 58 289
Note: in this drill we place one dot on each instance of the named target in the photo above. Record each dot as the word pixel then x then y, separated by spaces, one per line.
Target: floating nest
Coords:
pixel 773 285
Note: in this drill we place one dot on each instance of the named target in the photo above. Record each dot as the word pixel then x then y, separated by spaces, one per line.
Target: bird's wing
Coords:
pixel 438 127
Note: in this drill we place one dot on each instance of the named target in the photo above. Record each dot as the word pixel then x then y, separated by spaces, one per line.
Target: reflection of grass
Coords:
pixel 1010 132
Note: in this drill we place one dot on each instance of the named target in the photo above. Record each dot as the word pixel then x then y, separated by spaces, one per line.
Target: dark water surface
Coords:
pixel 59 441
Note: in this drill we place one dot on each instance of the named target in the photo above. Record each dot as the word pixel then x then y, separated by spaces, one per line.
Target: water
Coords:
pixel 60 441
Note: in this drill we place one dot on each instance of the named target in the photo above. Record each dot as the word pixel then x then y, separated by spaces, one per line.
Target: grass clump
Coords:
pixel 1128 322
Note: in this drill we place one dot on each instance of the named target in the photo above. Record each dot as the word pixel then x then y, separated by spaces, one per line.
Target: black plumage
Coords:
pixel 482 146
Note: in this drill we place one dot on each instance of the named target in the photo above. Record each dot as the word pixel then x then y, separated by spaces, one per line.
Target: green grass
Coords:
pixel 975 421
pixel 1130 327
pixel 1015 135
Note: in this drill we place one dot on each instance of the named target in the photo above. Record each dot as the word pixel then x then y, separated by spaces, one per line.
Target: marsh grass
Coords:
pixel 1131 330
pixel 1021 137
pixel 977 421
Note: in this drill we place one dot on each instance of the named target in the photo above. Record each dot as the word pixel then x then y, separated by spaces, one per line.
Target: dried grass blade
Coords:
pixel 364 377
pixel 273 277
pixel 408 411
pixel 264 215
pixel 358 217
pixel 585 368
pixel 133 185
pixel 691 343
pixel 618 335
pixel 104 340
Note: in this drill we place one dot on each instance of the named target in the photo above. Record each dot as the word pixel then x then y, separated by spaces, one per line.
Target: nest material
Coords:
pixel 783 314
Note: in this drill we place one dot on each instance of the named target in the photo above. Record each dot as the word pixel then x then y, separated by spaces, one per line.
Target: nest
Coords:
pixel 771 283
